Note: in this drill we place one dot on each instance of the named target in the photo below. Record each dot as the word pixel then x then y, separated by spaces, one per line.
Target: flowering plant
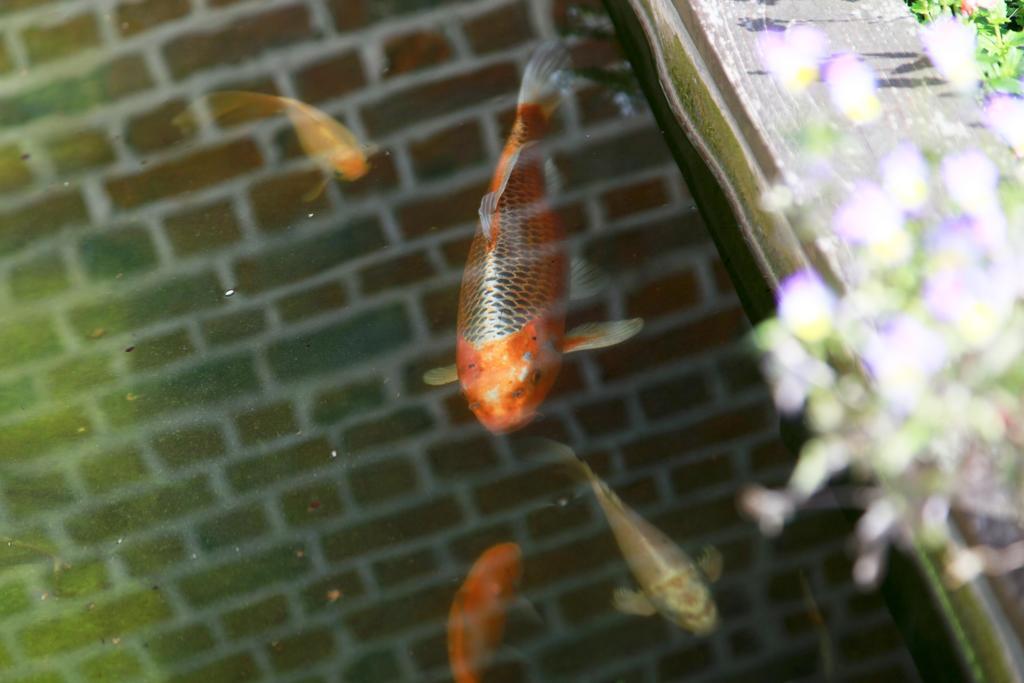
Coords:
pixel 908 375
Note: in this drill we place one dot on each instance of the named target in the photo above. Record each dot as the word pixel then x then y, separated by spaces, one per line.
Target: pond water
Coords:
pixel 218 457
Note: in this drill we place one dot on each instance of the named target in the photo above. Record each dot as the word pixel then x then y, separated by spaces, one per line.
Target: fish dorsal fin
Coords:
pixel 600 335
pixel 710 562
pixel 585 280
pixel 629 601
pixel 437 377
pixel 489 203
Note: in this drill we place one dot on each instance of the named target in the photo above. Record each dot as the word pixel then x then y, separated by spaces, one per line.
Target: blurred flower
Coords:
pixel 902 357
pixel 792 371
pixel 971 179
pixel 792 56
pixel 806 306
pixel 975 301
pixel 869 218
pixel 851 84
pixel 970 6
pixel 1004 114
pixel 950 45
pixel 905 177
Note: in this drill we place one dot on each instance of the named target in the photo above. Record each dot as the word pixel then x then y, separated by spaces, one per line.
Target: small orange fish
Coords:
pixel 476 622
pixel 512 304
pixel 328 143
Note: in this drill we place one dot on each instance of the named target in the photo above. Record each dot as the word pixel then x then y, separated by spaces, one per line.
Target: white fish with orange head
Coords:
pixel 671 583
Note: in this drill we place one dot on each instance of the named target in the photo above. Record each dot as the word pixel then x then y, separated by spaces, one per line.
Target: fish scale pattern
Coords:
pixel 218 461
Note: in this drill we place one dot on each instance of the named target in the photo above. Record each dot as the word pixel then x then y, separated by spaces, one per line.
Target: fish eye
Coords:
pixel 517 393
pixel 536 376
pixel 474 406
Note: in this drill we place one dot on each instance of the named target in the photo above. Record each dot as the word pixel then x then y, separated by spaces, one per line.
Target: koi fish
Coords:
pixel 512 303
pixel 476 622
pixel 329 144
pixel 671 584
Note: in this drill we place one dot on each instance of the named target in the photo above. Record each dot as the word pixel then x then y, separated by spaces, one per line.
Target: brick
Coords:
pixel 547 481
pixel 784 586
pixel 30 494
pixel 440 307
pixel 15 173
pixel 744 642
pixel 399 272
pixel 302 259
pixel 186 446
pixel 600 647
pixel 279 465
pixel 603 159
pixel 279 202
pixel 688 339
pixel 119 665
pixel 586 604
pixel 208 382
pixel 195 171
pixel 878 639
pixel 239 41
pixel 394 570
pixel 13 598
pixel 468 546
pixel 394 615
pixel 256 617
pixel 39 219
pixel 380 666
pixel 459 457
pixel 41 277
pixel 235 326
pixel 43 433
pixel 811 529
pixel 414 51
pixel 139 511
pixel 685 662
pixel 603 416
pixel 156 351
pixel 331 77
pixel 164 300
pixel 108 619
pixel 266 423
pixel 111 81
pixel 311 504
pixel 432 214
pixel 700 518
pixel 202 229
pixel 16 395
pixel 137 16
pixel 236 667
pixel 431 652
pixel 335 405
pixel 573 559
pixel 179 644
pixel 394 528
pixel 80 579
pixel 596 104
pixel 634 198
pixel 215 583
pixel 154 129
pixel 456 252
pixel 771 455
pixel 301 649
pixel 864 604
pixel 678 394
pixel 153 556
pixel 75 374
pixel 350 14
pixel 707 472
pixel 499 29
pixel 555 519
pixel 740 371
pixel 629 249
pixel 382 480
pixel 117 252
pixel 319 595
pixel 447 151
pixel 112 468
pixel 85 149
pixel 54 41
pixel 664 295
pixel 350 342
pixel 399 424
pixel 439 97
pixel 232 527
pixel 41 677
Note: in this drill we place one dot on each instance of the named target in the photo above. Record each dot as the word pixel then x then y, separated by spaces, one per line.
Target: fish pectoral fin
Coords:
pixel 488 207
pixel 710 562
pixel 437 377
pixel 554 182
pixel 629 601
pixel 600 335
pixel 585 279
pixel 315 191
pixel 521 604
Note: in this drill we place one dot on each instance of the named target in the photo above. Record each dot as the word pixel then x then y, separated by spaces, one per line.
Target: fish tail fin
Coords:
pixel 561 454
pixel 541 85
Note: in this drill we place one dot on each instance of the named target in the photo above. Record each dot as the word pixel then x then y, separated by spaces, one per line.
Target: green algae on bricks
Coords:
pixel 116 665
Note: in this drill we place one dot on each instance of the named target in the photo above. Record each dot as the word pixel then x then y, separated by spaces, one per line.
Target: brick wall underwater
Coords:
pixel 257 485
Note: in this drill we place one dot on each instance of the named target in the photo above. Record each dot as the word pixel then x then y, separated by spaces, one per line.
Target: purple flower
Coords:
pixel 971 179
pixel 792 56
pixel 851 84
pixel 951 45
pixel 806 306
pixel 870 219
pixel 902 358
pixel 905 177
pixel 976 301
pixel 1004 115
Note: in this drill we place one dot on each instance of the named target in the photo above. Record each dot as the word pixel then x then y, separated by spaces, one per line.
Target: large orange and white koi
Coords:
pixel 512 305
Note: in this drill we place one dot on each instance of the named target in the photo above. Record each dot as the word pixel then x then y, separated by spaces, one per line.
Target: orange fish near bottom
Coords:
pixel 476 622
